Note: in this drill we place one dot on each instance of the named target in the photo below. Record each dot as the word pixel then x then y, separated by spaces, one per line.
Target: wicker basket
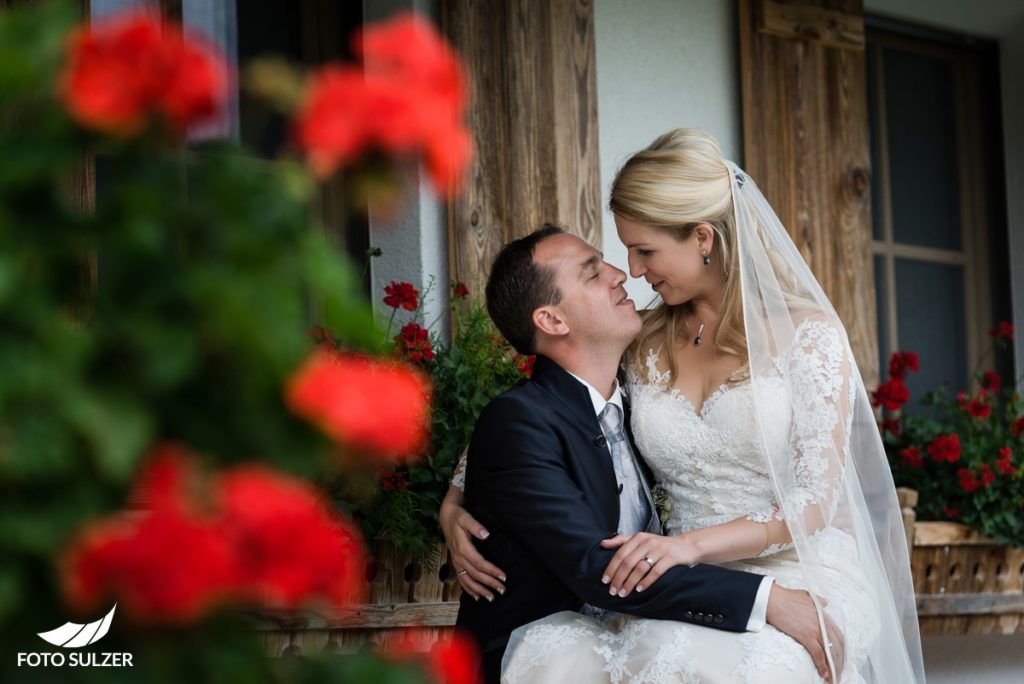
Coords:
pixel 404 591
pixel 965 583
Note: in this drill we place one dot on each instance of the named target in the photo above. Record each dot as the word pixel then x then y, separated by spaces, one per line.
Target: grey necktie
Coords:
pixel 634 513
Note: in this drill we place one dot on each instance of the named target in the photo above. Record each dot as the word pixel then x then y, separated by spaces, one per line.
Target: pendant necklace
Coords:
pixel 700 331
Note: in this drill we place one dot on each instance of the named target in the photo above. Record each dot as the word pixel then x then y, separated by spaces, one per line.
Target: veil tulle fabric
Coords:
pixel 832 480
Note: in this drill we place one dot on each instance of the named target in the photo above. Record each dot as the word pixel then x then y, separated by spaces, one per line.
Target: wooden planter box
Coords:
pixel 403 592
pixel 965 583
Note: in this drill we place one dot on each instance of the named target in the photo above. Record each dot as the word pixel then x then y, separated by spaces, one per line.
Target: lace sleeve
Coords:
pixel 459 476
pixel 819 369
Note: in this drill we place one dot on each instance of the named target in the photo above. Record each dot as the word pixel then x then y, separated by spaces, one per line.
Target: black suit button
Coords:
pixel 698 616
pixel 601 441
pixel 708 618
pixel 719 619
pixel 688 615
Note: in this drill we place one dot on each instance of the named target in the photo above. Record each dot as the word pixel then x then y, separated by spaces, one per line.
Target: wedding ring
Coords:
pixel 828 645
pixel 463 572
pixel 649 561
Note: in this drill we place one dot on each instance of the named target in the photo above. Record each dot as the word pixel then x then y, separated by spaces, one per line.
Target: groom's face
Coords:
pixel 594 302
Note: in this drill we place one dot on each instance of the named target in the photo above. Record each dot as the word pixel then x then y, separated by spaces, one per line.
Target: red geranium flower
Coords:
pixel 1005 461
pixel 121 68
pixel 892 426
pixel 410 97
pixel 1002 331
pixel 291 546
pixel 968 481
pixel 402 295
pixel 950 512
pixel 525 364
pixel 1017 427
pixel 945 448
pixel 978 407
pixel 892 395
pixel 414 343
pixel 911 457
pixel 165 562
pixel 378 406
pixel 459 290
pixel 901 362
pixel 455 660
pixel 991 382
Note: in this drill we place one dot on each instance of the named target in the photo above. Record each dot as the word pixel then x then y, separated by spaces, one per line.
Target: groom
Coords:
pixel 553 471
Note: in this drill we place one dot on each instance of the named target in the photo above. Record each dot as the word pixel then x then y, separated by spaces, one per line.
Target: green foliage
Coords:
pixel 467 373
pixel 206 264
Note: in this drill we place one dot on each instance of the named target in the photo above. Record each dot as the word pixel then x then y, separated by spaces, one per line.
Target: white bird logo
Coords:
pixel 74 635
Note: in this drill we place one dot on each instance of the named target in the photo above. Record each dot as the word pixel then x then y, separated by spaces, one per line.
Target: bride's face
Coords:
pixel 674 268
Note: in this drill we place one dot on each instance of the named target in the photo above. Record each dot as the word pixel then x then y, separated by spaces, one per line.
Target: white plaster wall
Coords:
pixel 413 233
pixel 661 64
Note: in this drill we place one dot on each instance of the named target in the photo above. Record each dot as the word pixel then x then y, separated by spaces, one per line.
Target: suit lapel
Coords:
pixel 571 401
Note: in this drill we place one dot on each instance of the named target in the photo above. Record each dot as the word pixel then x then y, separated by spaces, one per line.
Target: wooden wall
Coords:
pixel 805 136
pixel 534 123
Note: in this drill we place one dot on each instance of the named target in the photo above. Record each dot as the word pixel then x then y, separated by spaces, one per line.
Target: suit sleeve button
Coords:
pixel 708 618
pixel 719 619
pixel 698 616
pixel 688 615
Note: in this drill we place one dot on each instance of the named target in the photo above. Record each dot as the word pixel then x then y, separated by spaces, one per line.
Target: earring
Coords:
pixel 707 259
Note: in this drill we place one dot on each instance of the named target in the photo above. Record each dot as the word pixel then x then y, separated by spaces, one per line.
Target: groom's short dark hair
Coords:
pixel 518 286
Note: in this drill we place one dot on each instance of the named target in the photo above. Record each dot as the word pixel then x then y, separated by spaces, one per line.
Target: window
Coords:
pixel 939 221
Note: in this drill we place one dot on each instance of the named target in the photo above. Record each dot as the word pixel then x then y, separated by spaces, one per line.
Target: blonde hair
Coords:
pixel 678 182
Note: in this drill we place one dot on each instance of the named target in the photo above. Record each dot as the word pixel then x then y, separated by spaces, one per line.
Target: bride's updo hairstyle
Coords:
pixel 677 183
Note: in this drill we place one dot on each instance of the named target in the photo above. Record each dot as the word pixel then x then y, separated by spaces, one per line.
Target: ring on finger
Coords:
pixel 649 561
pixel 463 572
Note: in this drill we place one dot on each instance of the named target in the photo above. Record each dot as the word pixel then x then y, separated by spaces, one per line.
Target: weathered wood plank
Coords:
pixel 365 616
pixel 825 27
pixel 534 125
pixel 805 133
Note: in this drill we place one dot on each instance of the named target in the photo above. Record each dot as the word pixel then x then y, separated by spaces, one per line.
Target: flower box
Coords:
pixel 402 592
pixel 965 583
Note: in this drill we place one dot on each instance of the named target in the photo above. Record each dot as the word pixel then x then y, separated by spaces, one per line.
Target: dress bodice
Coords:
pixel 710 462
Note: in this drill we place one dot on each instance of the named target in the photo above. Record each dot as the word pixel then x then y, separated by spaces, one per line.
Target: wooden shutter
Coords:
pixel 534 124
pixel 805 136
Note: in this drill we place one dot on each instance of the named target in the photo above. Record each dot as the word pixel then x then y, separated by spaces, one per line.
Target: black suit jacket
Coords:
pixel 539 479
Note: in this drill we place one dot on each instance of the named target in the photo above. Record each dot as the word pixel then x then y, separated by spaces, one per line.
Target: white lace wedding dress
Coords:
pixel 711 464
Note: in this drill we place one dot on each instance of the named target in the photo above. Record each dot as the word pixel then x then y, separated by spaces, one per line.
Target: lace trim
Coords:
pixel 540 643
pixel 459 476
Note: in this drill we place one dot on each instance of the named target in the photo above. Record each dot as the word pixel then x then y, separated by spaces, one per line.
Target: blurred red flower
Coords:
pixel 525 364
pixel 1004 463
pixel 950 512
pixel 455 660
pixel 121 68
pixel 374 405
pixel 166 563
pixel 911 457
pixel 290 546
pixel 414 343
pixel 459 290
pixel 409 97
pixel 979 407
pixel 968 481
pixel 1017 427
pixel 945 448
pixel 892 394
pixel 991 381
pixel 901 362
pixel 402 295
pixel 892 426
pixel 249 534
pixel 1004 330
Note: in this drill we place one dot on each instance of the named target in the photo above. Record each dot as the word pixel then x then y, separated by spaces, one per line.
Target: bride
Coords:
pixel 748 408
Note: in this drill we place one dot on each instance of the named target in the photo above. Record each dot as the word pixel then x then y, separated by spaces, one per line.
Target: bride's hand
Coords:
pixel 477 576
pixel 642 558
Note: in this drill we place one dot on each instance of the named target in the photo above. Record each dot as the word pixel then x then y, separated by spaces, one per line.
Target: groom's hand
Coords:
pixel 793 612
